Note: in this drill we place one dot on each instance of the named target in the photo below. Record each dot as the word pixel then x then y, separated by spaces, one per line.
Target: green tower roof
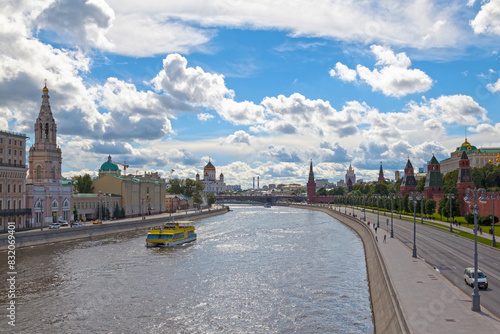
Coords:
pixel 109 166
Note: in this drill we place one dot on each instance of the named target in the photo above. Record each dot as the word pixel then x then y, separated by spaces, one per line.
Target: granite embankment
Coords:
pixel 38 237
pixel 388 316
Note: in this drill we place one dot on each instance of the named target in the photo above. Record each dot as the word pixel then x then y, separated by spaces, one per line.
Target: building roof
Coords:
pixel 209 166
pixel 466 146
pixel 433 161
pixel 109 166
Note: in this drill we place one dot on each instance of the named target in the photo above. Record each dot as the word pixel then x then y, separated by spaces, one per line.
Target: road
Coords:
pixel 447 252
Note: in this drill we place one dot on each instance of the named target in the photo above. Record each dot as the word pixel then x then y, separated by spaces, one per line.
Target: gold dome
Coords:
pixel 498 158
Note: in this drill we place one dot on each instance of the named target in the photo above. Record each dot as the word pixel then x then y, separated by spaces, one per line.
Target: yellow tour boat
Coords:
pixel 171 234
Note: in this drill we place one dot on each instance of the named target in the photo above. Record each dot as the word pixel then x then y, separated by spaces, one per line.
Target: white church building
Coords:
pixel 212 185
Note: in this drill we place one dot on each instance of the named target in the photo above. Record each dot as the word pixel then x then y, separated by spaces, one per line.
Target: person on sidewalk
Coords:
pixel 385 236
pixel 376 238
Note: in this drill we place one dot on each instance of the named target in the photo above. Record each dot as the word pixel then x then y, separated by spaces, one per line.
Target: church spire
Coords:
pixel 45 125
pixel 381 177
pixel 311 173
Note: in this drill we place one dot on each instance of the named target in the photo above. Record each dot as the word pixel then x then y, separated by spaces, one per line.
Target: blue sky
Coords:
pixel 259 88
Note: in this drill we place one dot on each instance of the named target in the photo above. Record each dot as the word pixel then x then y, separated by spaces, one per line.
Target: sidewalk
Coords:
pixel 430 302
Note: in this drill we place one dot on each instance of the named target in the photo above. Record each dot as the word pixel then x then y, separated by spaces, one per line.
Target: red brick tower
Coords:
pixel 433 188
pixel 409 183
pixel 311 186
pixel 381 177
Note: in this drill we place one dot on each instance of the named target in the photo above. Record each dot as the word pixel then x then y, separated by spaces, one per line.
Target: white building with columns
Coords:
pixel 212 185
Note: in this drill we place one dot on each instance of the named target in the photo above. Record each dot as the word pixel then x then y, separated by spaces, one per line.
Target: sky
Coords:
pixel 259 88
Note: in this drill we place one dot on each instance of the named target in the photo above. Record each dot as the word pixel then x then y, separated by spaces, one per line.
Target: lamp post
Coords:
pixel 364 207
pixel 450 197
pixel 392 197
pixel 385 206
pixel 400 204
pixel 493 197
pixel 472 197
pixel 377 196
pixel 41 207
pixel 422 209
pixel 100 207
pixel 345 204
pixel 414 196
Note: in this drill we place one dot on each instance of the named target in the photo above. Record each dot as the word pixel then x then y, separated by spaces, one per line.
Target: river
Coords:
pixel 252 270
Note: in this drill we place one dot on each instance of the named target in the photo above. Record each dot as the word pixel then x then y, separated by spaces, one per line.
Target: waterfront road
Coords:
pixel 447 252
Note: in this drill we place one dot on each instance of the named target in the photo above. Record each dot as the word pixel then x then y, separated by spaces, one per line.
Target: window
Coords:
pixel 14 188
pixel 1 150
pixel 15 152
pixel 8 188
pixel 15 142
pixel 10 151
pixel 10 141
pixel 1 140
pixel 1 187
pixel 39 173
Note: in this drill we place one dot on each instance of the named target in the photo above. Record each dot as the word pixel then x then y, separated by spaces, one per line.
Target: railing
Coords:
pixel 15 212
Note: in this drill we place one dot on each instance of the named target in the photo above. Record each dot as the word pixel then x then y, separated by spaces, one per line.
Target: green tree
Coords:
pixel 322 192
pixel 193 189
pixel 420 184
pixel 175 186
pixel 430 206
pixel 84 184
pixel 211 198
pixel 381 188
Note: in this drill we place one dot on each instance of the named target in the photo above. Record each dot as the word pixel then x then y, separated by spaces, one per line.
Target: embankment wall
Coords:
pixel 388 316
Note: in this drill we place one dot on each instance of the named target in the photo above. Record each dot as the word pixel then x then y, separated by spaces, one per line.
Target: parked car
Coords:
pixel 63 223
pixel 96 222
pixel 54 225
pixel 482 282
pixel 76 224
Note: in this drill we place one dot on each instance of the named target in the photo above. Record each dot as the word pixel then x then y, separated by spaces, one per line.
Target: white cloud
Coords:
pixel 487 19
pixel 459 109
pixel 421 24
pixel 83 21
pixel 237 138
pixel 394 78
pixel 202 89
pixel 494 88
pixel 204 116
pixel 343 72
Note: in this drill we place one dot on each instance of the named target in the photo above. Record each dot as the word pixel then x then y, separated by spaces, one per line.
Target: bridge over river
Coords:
pixel 263 198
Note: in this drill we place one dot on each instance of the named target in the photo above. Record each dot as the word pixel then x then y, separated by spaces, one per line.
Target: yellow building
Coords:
pixel 87 205
pixel 140 194
pixel 478 157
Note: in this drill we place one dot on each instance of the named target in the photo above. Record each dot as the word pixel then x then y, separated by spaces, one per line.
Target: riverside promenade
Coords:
pixel 429 303
pixel 36 237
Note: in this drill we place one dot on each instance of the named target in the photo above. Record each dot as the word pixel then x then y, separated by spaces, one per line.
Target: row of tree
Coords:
pixel 487 177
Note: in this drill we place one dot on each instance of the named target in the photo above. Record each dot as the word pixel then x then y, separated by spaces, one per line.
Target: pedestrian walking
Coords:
pixel 385 236
pixel 480 231
pixel 375 229
pixel 376 239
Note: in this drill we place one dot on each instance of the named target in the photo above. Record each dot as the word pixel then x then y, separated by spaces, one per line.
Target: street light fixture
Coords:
pixel 493 197
pixel 392 197
pixel 472 197
pixel 377 196
pixel 400 205
pixel 414 196
pixel 450 197
pixel 364 207
pixel 345 204
pixel 422 210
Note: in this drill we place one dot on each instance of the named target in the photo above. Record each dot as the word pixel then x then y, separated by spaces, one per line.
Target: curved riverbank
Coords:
pixel 38 237
pixel 388 316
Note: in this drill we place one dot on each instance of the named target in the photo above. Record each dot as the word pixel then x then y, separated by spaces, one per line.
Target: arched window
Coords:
pixel 39 173
pixel 14 188
pixel 20 204
pixel 8 188
pixel 46 130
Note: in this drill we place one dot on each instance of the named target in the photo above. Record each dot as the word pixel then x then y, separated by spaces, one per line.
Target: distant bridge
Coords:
pixel 272 199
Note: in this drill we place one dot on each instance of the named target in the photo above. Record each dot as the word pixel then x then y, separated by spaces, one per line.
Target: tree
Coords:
pixel 381 188
pixel 322 192
pixel 116 212
pixel 420 184
pixel 193 189
pixel 430 206
pixel 84 185
pixel 211 198
pixel 174 186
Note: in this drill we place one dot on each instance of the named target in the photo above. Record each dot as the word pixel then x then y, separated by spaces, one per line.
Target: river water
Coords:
pixel 252 270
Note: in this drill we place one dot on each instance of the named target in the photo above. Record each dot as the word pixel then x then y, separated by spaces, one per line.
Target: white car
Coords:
pixel 482 282
pixel 63 223
pixel 54 225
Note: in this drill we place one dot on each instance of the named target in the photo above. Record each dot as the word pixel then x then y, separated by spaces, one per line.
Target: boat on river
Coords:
pixel 171 234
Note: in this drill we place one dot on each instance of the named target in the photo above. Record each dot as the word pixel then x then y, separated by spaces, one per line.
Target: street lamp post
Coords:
pixel 385 206
pixel 41 207
pixel 400 204
pixel 414 196
pixel 493 197
pixel 352 203
pixel 364 207
pixel 422 210
pixel 472 197
pixel 377 196
pixel 345 204
pixel 100 207
pixel 450 197
pixel 392 197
